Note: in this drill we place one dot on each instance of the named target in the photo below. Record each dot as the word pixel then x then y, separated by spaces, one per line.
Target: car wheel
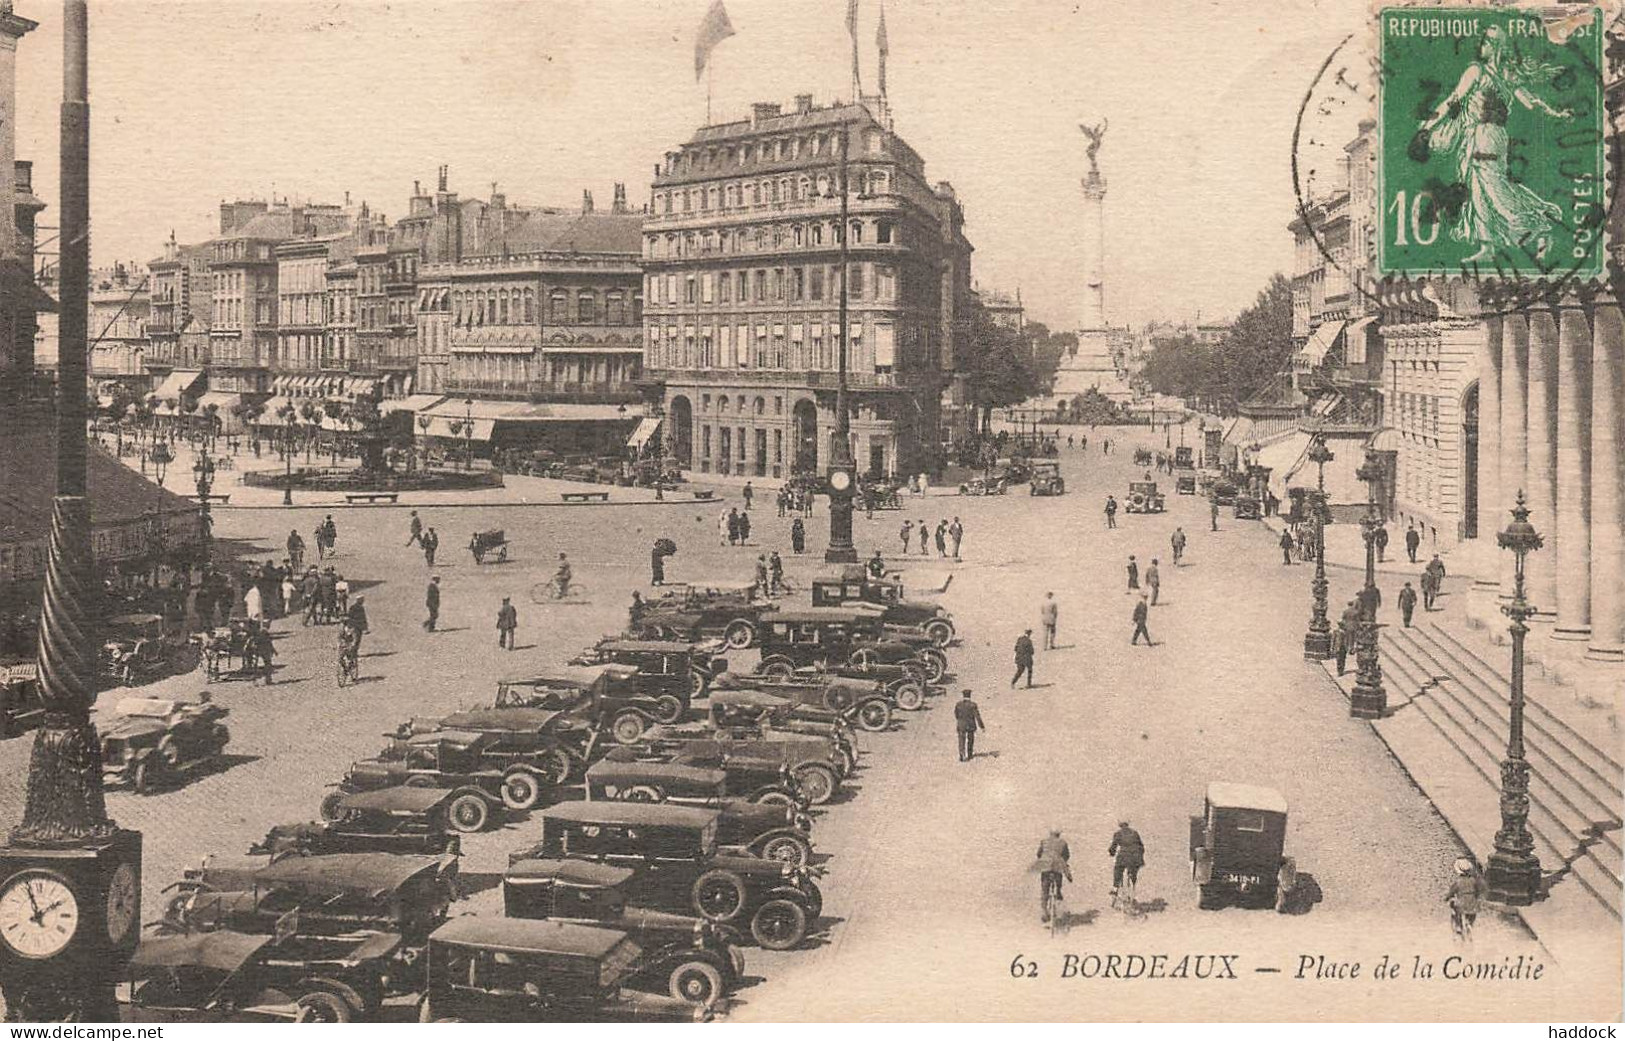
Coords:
pixel 940 630
pixel 554 766
pixel 719 895
pixel 145 778
pixel 668 708
pixel 936 664
pixel 787 849
pixel 627 728
pixel 698 683
pixel 468 813
pixel 910 697
pixel 330 806
pixel 641 793
pixel 696 982
pixel 740 634
pixel 773 798
pixel 874 715
pixel 778 669
pixel 817 783
pixel 779 925
pixel 319 1006
pixel 169 751
pixel 521 790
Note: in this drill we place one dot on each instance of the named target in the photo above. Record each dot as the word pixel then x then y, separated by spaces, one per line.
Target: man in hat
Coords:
pixel 507 623
pixel 1128 853
pixel 1407 604
pixel 1466 892
pixel 1054 864
pixel 431 600
pixel 1024 658
pixel 1142 614
pixel 1413 541
pixel 415 530
pixel 1049 613
pixel 967 720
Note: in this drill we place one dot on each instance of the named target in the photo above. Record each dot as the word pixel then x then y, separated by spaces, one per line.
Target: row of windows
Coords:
pixel 759 406
pixel 241 249
pixel 771 347
pixel 816 283
pixel 728 437
pixel 773 150
pixel 518 307
pixel 762 238
pixel 823 184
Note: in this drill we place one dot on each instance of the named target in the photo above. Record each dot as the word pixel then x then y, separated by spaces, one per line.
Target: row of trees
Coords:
pixel 1221 376
pixel 1006 367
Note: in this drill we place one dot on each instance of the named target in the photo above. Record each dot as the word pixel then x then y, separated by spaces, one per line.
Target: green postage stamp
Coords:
pixel 1493 143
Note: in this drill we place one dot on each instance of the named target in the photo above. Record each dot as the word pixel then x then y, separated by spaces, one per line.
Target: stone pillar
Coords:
pixel 1540 464
pixel 1481 599
pixel 1607 485
pixel 1513 429
pixel 1573 542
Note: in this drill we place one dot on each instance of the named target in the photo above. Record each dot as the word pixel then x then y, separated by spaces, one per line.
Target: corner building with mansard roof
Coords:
pixel 741 252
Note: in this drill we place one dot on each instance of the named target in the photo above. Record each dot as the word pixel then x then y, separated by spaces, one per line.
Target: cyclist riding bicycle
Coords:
pixel 1467 889
pixel 1129 854
pixel 1053 857
pixel 349 645
pixel 561 577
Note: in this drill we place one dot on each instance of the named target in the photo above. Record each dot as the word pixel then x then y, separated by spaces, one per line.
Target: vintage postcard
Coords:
pixel 817 511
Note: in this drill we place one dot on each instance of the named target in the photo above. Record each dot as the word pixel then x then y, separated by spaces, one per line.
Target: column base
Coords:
pixel 1513 879
pixel 1367 702
pixel 1610 655
pixel 1574 633
pixel 1317 646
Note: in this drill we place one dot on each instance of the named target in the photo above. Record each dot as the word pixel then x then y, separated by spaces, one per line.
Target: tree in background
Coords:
pixel 1258 347
pixel 1001 371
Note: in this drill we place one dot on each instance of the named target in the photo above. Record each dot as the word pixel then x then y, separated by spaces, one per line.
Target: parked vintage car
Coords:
pixel 665 667
pixel 1143 497
pixel 694 611
pixel 229 976
pixel 804 636
pixel 749 775
pixel 1224 491
pixel 1184 458
pixel 137 650
pixel 881 495
pixel 405 819
pixel 815 764
pixel 1047 479
pixel 1247 507
pixel 612 698
pixel 854 585
pixel 985 484
pixel 1185 484
pixel 768 829
pixel 22 700
pixel 157 740
pixel 765 714
pixel 516 970
pixel 694 959
pixel 679 865
pixel 1237 847
pixel 905 683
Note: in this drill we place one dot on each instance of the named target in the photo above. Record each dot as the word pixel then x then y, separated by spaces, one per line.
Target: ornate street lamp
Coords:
pixel 1369 700
pixel 1317 642
pixel 842 470
pixel 1513 874
pixel 287 412
pixel 468 434
pixel 204 469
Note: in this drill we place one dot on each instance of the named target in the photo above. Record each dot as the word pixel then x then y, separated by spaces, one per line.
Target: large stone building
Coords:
pixel 178 329
pixel 741 253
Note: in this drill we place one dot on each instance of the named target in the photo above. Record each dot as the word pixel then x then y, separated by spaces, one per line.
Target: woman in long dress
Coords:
pixel 1471 125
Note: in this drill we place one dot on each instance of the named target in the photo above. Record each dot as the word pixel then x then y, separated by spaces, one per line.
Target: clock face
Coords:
pixel 121 903
pixel 38 914
pixel 840 480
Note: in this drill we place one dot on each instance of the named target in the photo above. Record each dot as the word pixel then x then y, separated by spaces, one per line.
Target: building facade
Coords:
pixel 741 252
pixel 120 305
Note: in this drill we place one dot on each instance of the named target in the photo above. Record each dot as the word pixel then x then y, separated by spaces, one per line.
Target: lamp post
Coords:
pixel 204 468
pixel 468 434
pixel 1369 700
pixel 842 467
pixel 1513 872
pixel 1317 642
pixel 287 454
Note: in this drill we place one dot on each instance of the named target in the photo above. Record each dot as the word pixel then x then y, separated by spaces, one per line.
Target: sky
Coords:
pixel 195 102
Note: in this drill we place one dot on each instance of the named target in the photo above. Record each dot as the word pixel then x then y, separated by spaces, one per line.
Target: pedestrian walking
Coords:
pixel 1111 511
pixel 290 595
pixel 733 526
pixel 1153 580
pixel 967 721
pixel 254 605
pixel 431 545
pixel 657 565
pixel 341 595
pixel 1024 658
pixel 942 538
pixel 1343 638
pixel 1177 541
pixel 1381 539
pixel 507 623
pixel 761 575
pixel 775 573
pixel 782 499
pixel 905 534
pixel 1407 604
pixel 1413 541
pixel 1133 575
pixel 1213 514
pixel 327 590
pixel 1049 613
pixel 330 534
pixel 431 600
pixel 1286 546
pixel 319 536
pixel 1435 567
pixel 311 587
pixel 956 531
pixel 924 531
pixel 750 493
pixel 744 528
pixel 414 529
pixel 798 536
pixel 1142 613
pixel 296 550
pixel 264 652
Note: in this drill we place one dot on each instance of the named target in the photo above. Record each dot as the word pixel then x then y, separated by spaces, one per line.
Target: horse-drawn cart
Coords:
pixel 493 543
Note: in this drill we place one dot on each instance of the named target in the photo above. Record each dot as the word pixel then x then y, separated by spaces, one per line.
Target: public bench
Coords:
pixel 370 497
pixel 704 494
pixel 584 496
pixel 214 497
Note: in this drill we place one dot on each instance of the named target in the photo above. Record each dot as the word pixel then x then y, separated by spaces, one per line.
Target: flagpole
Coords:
pixel 710 62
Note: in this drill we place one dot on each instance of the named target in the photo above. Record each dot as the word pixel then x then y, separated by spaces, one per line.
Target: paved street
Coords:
pixel 928 891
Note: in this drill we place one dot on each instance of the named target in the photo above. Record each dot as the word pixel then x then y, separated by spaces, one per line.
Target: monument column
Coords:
pixel 1488 505
pixel 1573 542
pixel 1514 435
pixel 1540 464
pixel 1607 485
pixel 1094 233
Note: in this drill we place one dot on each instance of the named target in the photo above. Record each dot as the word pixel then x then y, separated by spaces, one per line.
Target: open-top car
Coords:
pixel 138 650
pixel 1143 497
pixel 988 484
pixel 1237 847
pixel 749 774
pixel 854 585
pixel 483 969
pixel 694 611
pixel 906 683
pixel 156 740
pixel 1047 479
pixel 765 715
pixel 403 819
pixel 665 667
pixel 679 865
pixel 816 764
pixel 768 829
pixel 609 697
pixel 693 959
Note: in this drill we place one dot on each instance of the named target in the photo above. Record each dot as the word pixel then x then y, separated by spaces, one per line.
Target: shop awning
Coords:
pixel 178 384
pixel 1354 340
pixel 1283 457
pixel 269 417
pixel 475 430
pixel 411 403
pixel 1311 354
pixel 645 430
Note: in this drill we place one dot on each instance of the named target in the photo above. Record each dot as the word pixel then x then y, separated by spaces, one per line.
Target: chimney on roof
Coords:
pixel 586 201
pixel 763 110
pixel 445 172
pixel 803 104
pixel 619 205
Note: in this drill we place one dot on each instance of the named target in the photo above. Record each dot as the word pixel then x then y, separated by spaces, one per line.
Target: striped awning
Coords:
pixel 1312 353
pixel 645 430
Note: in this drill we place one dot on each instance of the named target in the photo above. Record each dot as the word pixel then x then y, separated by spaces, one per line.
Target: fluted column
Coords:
pixel 1573 542
pixel 1488 505
pixel 1540 465
pixel 1513 429
pixel 1607 485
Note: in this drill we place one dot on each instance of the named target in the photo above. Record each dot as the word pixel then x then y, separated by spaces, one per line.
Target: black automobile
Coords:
pixel 694 959
pixel 674 851
pixel 803 636
pixel 1237 847
pixel 481 775
pixel 405 819
pixel 694 611
pixel 606 698
pixel 672 668
pixel 855 585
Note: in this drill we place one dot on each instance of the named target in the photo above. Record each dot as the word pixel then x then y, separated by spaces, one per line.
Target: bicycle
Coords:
pixel 1461 924
pixel 1053 902
pixel 349 668
pixel 548 591
pixel 1123 896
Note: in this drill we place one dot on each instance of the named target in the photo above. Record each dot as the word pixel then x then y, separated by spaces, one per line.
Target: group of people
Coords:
pixel 1054 865
pixel 947 537
pixel 427 539
pixel 326 537
pixel 794 499
pixel 323 596
pixel 733 526
pixel 769 575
